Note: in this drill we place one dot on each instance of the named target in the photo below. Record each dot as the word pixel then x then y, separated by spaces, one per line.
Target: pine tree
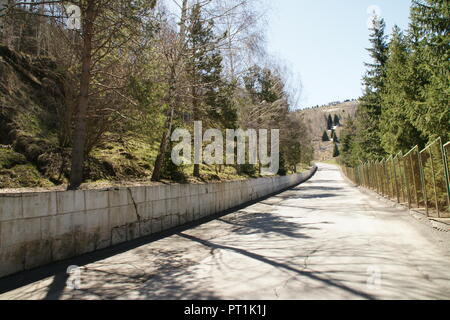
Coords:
pixel 368 140
pixel 397 132
pixel 329 122
pixel 348 157
pixel 431 31
pixel 209 95
pixel 325 136
pixel 336 120
pixel 335 137
pixel 336 152
pixel 263 85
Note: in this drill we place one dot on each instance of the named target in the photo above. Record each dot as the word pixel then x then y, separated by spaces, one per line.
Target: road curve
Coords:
pixel 324 239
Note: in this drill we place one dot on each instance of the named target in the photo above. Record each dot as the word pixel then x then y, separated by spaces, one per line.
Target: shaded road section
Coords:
pixel 324 239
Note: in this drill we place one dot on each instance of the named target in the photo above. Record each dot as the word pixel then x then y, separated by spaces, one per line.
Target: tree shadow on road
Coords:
pixel 276 264
pixel 317 188
pixel 328 181
pixel 167 274
pixel 312 196
pixel 265 224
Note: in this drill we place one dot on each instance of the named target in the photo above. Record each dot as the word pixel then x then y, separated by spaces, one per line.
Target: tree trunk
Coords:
pixel 156 175
pixel 79 140
pixel 196 172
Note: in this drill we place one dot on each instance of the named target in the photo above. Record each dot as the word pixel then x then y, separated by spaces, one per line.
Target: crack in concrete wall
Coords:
pixel 40 228
pixel 134 204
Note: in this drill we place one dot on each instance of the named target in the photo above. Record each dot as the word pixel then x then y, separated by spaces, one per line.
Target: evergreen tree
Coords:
pixel 431 31
pixel 335 137
pixel 209 93
pixel 222 108
pixel 329 122
pixel 263 85
pixel 405 101
pixel 347 141
pixel 325 136
pixel 336 120
pixel 368 140
pixel 336 152
pixel 206 63
pixel 397 132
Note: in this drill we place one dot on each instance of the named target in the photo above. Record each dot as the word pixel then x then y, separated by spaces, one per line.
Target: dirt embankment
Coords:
pixel 35 122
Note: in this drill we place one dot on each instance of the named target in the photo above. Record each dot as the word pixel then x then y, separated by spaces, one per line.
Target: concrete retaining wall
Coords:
pixel 39 228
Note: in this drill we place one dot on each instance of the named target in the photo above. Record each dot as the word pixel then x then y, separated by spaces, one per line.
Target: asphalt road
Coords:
pixel 324 239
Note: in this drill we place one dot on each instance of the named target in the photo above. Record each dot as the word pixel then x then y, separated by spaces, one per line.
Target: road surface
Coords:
pixel 324 239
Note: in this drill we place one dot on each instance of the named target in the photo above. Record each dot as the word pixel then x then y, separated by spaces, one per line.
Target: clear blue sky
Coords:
pixel 324 42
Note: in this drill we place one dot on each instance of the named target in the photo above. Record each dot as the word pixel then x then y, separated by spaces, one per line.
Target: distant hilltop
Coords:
pixel 315 119
pixel 331 104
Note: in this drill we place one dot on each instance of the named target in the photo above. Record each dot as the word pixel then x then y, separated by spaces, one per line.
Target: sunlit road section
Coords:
pixel 324 239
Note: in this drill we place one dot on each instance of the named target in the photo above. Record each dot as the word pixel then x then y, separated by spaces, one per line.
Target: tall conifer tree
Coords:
pixel 431 28
pixel 368 141
pixel 397 132
pixel 329 122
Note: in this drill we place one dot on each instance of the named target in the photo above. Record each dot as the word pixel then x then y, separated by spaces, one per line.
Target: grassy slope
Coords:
pixel 315 119
pixel 30 153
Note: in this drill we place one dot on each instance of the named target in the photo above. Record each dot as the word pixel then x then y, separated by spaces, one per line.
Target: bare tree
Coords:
pixel 173 49
pixel 243 24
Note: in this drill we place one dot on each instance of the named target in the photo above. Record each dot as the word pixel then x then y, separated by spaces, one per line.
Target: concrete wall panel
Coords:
pixel 38 228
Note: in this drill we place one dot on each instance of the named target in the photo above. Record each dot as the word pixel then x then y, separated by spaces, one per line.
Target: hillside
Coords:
pixel 32 148
pixel 35 139
pixel 316 121
pixel 33 151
